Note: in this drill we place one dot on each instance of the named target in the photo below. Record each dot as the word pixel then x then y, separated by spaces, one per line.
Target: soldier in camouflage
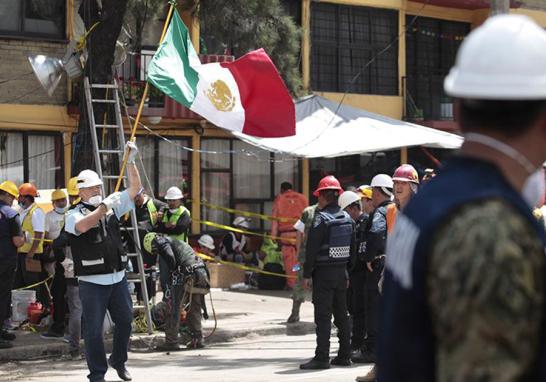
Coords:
pixel 464 295
pixel 302 229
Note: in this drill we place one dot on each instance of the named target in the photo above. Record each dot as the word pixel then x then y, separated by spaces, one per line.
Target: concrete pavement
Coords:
pixel 239 314
pixel 252 359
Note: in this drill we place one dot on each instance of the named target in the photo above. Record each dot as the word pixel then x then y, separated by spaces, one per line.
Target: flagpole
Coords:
pixel 141 105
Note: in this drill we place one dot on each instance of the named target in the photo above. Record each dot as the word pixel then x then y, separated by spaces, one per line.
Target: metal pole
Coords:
pixel 499 7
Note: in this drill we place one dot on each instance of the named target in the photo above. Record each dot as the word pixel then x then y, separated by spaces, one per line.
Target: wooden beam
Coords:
pixel 305 177
pixel 196 183
pixel 306 45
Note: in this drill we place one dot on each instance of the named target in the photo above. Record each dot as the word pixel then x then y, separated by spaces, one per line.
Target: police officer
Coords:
pixel 188 277
pixel 100 260
pixel 464 296
pixel 374 257
pixel 11 237
pixel 350 202
pixel 328 254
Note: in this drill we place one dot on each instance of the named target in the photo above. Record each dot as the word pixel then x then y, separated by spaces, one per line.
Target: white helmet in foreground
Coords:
pixel 504 59
pixel 348 198
pixel 88 178
pixel 174 193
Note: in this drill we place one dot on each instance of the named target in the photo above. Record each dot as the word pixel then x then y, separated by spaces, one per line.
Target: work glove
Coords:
pixel 132 148
pixel 112 201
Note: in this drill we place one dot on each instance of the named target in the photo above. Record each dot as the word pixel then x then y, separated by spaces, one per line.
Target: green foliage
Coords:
pixel 239 26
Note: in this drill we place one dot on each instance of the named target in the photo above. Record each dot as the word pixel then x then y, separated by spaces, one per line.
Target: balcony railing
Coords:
pixel 132 77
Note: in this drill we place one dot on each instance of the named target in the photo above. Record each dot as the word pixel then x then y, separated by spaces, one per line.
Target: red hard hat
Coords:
pixel 28 189
pixel 328 183
pixel 406 173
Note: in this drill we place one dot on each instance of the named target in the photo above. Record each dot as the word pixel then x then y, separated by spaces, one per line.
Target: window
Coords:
pixel 45 18
pixel 343 41
pixel 431 48
pixel 163 165
pixel 32 157
pixel 237 175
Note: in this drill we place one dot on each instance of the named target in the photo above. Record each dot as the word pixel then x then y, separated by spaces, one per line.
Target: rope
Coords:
pixel 37 284
pixel 245 213
pixel 244 232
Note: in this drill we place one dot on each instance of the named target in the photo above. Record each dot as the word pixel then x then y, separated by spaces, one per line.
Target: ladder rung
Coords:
pixel 132 255
pixel 97 100
pixel 111 152
pixel 107 126
pixel 113 176
pixel 104 86
pixel 127 228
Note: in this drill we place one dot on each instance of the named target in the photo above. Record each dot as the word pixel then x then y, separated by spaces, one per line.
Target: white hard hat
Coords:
pixel 241 221
pixel 174 193
pixel 88 178
pixel 504 59
pixel 347 198
pixel 382 180
pixel 206 241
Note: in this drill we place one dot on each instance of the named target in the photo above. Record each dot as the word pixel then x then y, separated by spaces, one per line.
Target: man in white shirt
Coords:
pixel 100 259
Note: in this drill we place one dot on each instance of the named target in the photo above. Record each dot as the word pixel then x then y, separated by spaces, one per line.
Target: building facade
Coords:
pixel 385 56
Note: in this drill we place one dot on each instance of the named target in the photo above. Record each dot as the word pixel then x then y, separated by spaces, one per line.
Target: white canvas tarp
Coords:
pixel 328 129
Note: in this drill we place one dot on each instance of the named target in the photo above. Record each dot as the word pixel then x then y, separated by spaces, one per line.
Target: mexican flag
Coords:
pixel 247 95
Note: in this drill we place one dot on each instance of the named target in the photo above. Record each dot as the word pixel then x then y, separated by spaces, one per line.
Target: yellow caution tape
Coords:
pixel 242 266
pixel 244 232
pixel 246 213
pixel 35 285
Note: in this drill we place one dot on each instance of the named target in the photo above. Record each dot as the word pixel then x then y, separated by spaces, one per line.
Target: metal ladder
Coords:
pixel 119 152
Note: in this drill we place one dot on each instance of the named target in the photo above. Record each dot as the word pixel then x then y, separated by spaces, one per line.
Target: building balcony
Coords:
pixel 131 76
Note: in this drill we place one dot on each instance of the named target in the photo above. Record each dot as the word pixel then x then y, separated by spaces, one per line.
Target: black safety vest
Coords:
pixel 99 250
pixel 360 243
pixel 336 247
pixel 7 249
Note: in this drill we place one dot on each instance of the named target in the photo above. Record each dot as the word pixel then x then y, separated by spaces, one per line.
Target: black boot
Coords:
pixel 315 364
pixel 295 315
pixel 339 361
pixel 364 356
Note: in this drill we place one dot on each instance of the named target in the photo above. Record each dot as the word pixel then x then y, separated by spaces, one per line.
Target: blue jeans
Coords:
pixel 96 299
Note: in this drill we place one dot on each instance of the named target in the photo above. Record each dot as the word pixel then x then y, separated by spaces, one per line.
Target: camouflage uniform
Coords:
pixel 307 217
pixel 486 294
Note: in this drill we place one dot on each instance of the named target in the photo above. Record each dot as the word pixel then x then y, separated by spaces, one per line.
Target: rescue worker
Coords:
pixel 374 258
pixel 188 278
pixel 206 245
pixel 11 237
pixel 327 257
pixel 365 192
pixel 233 247
pixel 63 256
pixel 54 225
pixel 302 227
pixel 175 222
pixel 287 206
pixel 464 296
pixel 100 260
pixel 350 202
pixel 406 185
pixel 29 263
pixel 146 210
pixel 429 174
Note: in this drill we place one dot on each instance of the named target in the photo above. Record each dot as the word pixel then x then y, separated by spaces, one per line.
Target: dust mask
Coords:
pixel 95 200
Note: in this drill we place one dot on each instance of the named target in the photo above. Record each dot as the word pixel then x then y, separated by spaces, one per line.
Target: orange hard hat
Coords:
pixel 328 183
pixel 28 189
pixel 406 173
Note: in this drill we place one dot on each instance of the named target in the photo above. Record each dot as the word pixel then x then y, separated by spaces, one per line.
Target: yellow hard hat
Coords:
pixel 10 188
pixel 365 191
pixel 58 194
pixel 72 187
pixel 148 239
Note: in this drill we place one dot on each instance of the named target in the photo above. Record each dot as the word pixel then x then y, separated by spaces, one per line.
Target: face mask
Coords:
pixel 95 200
pixel 21 204
pixel 173 210
pixel 60 210
pixel 534 187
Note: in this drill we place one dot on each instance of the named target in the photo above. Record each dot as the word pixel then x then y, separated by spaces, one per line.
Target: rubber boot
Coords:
pixel 295 315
